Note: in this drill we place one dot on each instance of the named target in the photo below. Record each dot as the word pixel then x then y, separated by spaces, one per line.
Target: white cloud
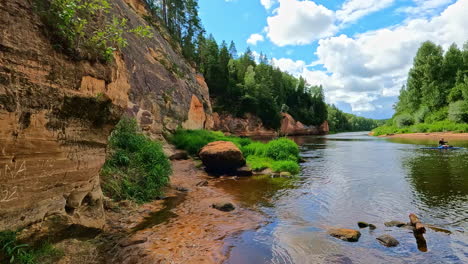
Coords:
pixel 425 7
pixel 267 3
pixel 352 10
pixel 299 22
pixel 254 39
pixel 369 67
pixel 288 65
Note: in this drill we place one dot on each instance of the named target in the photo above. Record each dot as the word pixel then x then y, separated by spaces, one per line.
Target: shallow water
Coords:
pixel 353 177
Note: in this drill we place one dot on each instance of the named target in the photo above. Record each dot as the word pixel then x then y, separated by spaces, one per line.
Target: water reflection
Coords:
pixel 352 177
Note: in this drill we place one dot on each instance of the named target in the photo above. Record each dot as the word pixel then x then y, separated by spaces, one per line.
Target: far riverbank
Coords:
pixel 430 136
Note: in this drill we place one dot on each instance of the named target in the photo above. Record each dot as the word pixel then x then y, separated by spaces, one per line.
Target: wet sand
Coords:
pixel 431 136
pixel 190 232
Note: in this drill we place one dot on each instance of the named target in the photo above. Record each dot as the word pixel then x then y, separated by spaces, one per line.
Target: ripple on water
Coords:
pixel 351 177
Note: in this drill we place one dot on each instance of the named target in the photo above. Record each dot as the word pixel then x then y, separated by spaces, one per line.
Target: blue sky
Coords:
pixel 359 50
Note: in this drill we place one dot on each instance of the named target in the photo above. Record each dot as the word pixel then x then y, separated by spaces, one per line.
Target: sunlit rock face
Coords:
pixel 56 113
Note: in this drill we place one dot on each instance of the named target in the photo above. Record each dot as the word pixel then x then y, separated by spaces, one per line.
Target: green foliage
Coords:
pixel 82 29
pixel 435 96
pixel 258 163
pixel 136 167
pixel 282 149
pixel 279 153
pixel 440 126
pixel 19 253
pixel 193 140
pixel 338 121
pixel 403 120
pixel 458 112
pixel 286 165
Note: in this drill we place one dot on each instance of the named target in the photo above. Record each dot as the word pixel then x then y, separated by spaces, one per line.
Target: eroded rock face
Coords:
pixel 250 125
pixel 221 157
pixel 291 127
pixel 56 113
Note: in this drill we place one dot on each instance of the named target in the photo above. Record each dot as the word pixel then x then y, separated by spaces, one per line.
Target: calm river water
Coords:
pixel 353 177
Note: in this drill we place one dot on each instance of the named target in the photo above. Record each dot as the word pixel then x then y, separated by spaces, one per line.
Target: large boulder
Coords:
pixel 221 157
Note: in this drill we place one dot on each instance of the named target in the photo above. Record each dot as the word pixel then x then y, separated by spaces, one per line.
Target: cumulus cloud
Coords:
pixel 267 3
pixel 254 39
pixel 365 68
pixel 299 22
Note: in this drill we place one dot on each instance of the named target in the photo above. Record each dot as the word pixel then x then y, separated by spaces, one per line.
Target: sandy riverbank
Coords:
pixel 193 231
pixel 431 136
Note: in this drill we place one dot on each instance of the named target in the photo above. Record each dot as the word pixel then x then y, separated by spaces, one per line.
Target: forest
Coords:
pixel 242 83
pixel 435 97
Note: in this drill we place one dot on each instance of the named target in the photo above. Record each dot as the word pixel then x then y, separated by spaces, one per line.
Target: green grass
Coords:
pixel 136 168
pixel 280 154
pixel 440 126
pixel 15 252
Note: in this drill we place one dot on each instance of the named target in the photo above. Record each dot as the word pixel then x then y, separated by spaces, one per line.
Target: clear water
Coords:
pixel 352 177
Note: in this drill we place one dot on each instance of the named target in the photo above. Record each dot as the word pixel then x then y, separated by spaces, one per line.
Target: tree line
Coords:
pixel 340 121
pixel 437 87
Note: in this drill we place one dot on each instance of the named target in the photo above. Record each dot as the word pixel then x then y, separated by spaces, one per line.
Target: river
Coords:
pixel 351 177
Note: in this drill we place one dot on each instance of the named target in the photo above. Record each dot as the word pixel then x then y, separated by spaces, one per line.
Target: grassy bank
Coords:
pixel 136 167
pixel 279 155
pixel 441 126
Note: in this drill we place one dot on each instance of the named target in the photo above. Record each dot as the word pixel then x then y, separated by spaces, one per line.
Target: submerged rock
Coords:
pixel 224 206
pixel 344 234
pixel 221 157
pixel 285 174
pixel 394 223
pixel 244 172
pixel 388 240
pixel 362 224
pixel 372 227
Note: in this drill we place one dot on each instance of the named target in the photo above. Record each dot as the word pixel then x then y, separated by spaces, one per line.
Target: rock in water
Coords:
pixel 344 234
pixel 224 206
pixel 388 241
pixel 394 223
pixel 221 157
pixel 362 224
pixel 372 227
pixel 244 172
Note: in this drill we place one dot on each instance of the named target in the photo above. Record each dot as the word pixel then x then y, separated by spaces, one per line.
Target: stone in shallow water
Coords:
pixel 344 234
pixel 362 224
pixel 372 227
pixel 224 206
pixel 394 223
pixel 388 240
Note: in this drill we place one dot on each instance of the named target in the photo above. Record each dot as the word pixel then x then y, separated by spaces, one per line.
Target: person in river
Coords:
pixel 443 143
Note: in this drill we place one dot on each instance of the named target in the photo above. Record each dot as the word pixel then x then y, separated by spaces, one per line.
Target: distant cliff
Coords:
pixel 56 113
pixel 252 126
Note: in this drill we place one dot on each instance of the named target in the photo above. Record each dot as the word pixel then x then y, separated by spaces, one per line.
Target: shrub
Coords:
pixel 458 112
pixel 403 120
pixel 439 115
pixel 257 163
pixel 421 114
pixel 285 165
pixel 136 168
pixel 82 29
pixel 282 149
pixel 255 148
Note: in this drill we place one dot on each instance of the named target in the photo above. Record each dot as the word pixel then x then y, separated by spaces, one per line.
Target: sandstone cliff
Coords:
pixel 252 126
pixel 56 113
